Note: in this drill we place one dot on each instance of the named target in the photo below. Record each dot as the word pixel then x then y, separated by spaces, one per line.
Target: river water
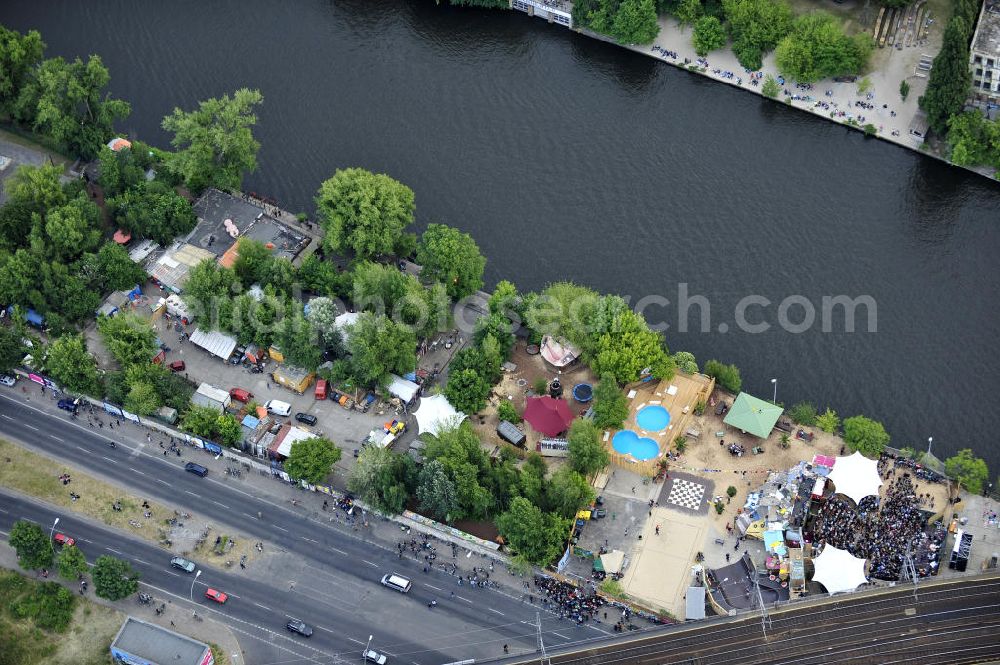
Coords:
pixel 567 158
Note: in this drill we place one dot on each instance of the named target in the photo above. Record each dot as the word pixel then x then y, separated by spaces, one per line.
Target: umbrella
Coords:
pixel 548 415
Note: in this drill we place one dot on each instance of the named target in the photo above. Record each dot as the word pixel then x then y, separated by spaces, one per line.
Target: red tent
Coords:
pixel 548 415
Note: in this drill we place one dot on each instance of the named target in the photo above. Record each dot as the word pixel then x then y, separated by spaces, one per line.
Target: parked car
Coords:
pixel 70 405
pixel 7 380
pixel 599 513
pixel 64 540
pixel 237 356
pixel 241 394
pixel 177 366
pixel 321 389
pixel 183 564
pixel 277 407
pixel 217 596
pixel 300 627
pixel 372 656
pixel 306 418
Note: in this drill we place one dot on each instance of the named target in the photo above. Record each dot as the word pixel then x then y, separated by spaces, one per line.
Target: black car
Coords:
pixel 306 418
pixel 300 627
pixel 70 405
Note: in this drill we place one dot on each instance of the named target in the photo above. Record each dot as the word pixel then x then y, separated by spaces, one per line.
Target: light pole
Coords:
pixel 197 574
pixel 774 399
pixel 930 440
pixel 51 531
pixel 367 647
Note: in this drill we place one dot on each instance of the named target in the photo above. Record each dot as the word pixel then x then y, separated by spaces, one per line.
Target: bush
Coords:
pixel 680 444
pixel 719 507
pixel 699 407
pixel 540 386
pixel 731 491
pixel 828 421
pixel 803 413
pixel 507 411
pixel 610 404
pixel 613 588
pixel 727 376
pixel 870 129
pixel 904 89
pixel 50 606
pixel 866 436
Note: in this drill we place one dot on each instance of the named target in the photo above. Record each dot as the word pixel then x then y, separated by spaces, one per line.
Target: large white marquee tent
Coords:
pixel 856 477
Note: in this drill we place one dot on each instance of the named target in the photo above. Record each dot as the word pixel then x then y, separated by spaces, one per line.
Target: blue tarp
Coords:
pixel 31 316
pixel 251 422
pixel 213 447
pixel 412 376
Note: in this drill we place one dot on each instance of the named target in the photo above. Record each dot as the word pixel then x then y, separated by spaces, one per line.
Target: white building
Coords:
pixel 985 55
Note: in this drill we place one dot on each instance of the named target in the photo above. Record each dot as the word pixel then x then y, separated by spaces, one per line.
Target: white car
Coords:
pixel 372 656
pixel 8 380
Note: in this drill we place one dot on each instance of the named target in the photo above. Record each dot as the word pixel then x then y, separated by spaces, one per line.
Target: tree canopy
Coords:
pixel 114 578
pixel 756 27
pixel 34 550
pixel 709 35
pixel 379 347
pixel 950 77
pixel 628 348
pixel 312 460
pixel 727 376
pixel 452 258
pixel 382 478
pixel 969 470
pixel 865 435
pixel 817 48
pixel 214 143
pixel 610 404
pixel 72 563
pixel 129 338
pixel 587 453
pixel 153 211
pixel 71 365
pixel 19 56
pixel 363 212
pixel 627 21
pixel 529 532
pixel 974 140
pixel 436 492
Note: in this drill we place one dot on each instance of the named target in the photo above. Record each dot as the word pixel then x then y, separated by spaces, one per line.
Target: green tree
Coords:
pixel 207 287
pixel 49 605
pixel 587 452
pixel 252 261
pixel 71 365
pixel 817 48
pixel 129 338
pixel 803 413
pixel 610 404
pixel 381 478
pixel 635 22
pixel 323 313
pixel 685 362
pixel 363 212
pixel 629 348
pixel 12 348
pixel 20 56
pixel 506 300
pixel 568 492
pixel 153 211
pixel 467 390
pixel 436 492
pixel 72 229
pixel 37 188
pixel 967 469
pixel 452 258
pixel 215 143
pixel 904 90
pixel 709 35
pixel 865 435
pixel 67 101
pixel 114 578
pixel 72 563
pixel 120 170
pixel 731 491
pixel 200 421
pixel 950 79
pixel 228 430
pixel 828 421
pixel 756 27
pixel 297 340
pixel 497 326
pixel 379 347
pixel 507 411
pixel 727 376
pixel 537 536
pixel 771 88
pixel 688 12
pixel 142 398
pixel 322 277
pixel 33 547
pixel 312 460
pixel 111 269
pixel 974 140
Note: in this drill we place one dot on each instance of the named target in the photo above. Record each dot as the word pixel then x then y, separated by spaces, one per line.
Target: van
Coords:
pixel 394 581
pixel 321 389
pixel 196 469
pixel 278 408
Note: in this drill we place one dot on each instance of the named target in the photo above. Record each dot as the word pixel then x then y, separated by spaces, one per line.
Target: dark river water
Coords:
pixel 567 158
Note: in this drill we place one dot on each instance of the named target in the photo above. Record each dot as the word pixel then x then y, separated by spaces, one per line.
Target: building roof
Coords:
pixel 694 604
pixel 217 343
pixel 987 38
pixel 213 393
pixel 172 267
pixel 119 143
pixel 223 218
pixel 753 415
pixel 158 645
pixel 403 389
pixel 287 437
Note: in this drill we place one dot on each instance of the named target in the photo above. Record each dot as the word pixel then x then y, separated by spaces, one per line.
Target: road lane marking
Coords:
pixel 355 641
pixel 560 635
pixel 141 473
pixel 264 607
pixel 57 438
pixel 431 586
pixel 370 563
pixel 111 549
pixel 253 517
pixel 339 551
pixel 83 449
pixel 496 611
pixel 109 459
pixel 281 528
pixel 162 482
pixel 170 572
pixel 29 426
pixel 192 494
pixel 6 416
pixel 145 563
pixel 465 599
pixel 310 540
pixel 220 504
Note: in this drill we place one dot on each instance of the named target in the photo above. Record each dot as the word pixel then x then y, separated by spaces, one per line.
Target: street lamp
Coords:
pixel 930 440
pixel 197 574
pixel 774 382
pixel 51 531
pixel 367 647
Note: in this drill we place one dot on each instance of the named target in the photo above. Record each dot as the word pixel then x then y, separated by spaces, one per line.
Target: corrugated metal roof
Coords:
pixel 215 342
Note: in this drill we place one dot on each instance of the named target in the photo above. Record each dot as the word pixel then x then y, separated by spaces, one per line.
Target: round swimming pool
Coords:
pixel 653 418
pixel 628 442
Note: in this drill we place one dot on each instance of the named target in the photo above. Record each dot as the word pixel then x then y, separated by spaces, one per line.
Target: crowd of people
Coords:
pixel 568 601
pixel 880 531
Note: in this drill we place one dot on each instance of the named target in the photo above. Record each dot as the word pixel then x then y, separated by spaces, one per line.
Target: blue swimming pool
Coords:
pixel 653 418
pixel 628 442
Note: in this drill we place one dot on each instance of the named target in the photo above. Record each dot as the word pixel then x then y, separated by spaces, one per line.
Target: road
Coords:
pixel 953 622
pixel 340 583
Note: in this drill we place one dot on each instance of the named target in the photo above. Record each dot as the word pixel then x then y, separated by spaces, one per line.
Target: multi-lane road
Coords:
pixel 946 623
pixel 336 587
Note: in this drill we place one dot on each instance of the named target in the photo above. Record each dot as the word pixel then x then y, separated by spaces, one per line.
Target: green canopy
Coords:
pixel 752 415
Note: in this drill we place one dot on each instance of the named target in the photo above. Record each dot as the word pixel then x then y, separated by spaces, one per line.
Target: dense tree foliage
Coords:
pixel 363 212
pixel 688 12
pixel 627 21
pixel 129 338
pixel 114 578
pixel 568 492
pixel 628 348
pixel 451 257
pixel 727 376
pixel 19 57
pixel 974 140
pixel 817 48
pixel 537 536
pixel 49 605
pixel 153 211
pixel 709 35
pixel 12 347
pixel 379 347
pixel 587 453
pixel 756 27
pixel 312 460
pixel 436 492
pixel 828 421
pixel 69 362
pixel 803 413
pixel 967 469
pixel 949 84
pixel 71 562
pixel 33 547
pixel 383 478
pixel 610 404
pixel 865 435
pixel 215 144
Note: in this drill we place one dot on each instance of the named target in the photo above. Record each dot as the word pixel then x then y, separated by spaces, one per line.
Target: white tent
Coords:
pixel 839 570
pixel 403 389
pixel 856 477
pixel 436 413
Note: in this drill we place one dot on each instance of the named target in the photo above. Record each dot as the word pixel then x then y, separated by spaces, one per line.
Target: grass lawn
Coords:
pixel 85 641
pixel 38 476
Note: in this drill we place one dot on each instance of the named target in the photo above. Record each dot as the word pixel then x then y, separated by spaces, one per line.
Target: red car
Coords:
pixel 217 596
pixel 240 394
pixel 64 540
pixel 176 366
